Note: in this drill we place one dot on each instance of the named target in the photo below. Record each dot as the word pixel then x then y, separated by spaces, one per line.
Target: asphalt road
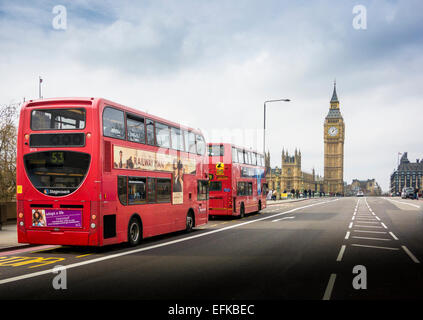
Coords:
pixel 303 250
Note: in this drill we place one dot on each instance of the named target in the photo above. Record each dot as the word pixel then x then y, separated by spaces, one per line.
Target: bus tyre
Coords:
pixel 241 211
pixel 259 206
pixel 189 222
pixel 134 232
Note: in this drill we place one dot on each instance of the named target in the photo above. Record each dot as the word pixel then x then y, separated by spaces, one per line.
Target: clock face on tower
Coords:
pixel 333 131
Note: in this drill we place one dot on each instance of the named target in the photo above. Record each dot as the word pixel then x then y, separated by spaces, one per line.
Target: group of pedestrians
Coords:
pixel 295 194
pixel 271 195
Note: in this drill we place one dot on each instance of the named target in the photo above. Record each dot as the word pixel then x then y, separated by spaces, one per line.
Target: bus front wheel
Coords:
pixel 134 232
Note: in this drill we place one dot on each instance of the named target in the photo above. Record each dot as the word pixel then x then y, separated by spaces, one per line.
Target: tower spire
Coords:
pixel 334 95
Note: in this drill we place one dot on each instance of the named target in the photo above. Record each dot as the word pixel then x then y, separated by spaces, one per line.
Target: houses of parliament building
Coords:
pixel 291 178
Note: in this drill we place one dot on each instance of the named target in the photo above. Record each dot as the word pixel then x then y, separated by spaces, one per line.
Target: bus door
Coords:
pixel 203 199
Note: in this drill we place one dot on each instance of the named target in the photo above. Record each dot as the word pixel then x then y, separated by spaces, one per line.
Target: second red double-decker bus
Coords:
pixel 237 180
pixel 94 172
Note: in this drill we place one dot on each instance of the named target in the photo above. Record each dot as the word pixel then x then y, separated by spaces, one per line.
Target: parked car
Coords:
pixel 360 193
pixel 408 192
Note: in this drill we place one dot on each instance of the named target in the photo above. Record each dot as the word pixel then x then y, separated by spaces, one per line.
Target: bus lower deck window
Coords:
pixel 122 190
pixel 151 190
pixel 163 190
pixel 137 190
pixel 202 190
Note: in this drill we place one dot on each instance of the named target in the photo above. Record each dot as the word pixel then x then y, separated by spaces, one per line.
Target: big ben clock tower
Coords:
pixel 334 135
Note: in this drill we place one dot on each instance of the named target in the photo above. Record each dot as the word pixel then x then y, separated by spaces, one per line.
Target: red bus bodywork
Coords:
pixel 228 174
pixel 92 213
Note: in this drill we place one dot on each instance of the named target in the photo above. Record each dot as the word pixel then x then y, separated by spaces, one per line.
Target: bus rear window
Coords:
pixel 216 150
pixel 215 186
pixel 58 119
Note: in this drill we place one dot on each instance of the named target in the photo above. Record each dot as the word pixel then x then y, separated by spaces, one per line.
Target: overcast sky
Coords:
pixel 212 64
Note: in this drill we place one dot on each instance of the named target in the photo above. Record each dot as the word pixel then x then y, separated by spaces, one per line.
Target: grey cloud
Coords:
pixel 193 60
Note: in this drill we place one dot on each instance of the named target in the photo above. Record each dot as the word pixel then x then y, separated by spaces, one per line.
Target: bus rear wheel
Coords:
pixel 241 211
pixel 134 232
pixel 189 222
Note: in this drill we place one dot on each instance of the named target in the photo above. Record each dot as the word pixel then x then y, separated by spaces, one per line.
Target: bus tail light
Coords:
pixel 93 219
pixel 229 203
pixel 93 215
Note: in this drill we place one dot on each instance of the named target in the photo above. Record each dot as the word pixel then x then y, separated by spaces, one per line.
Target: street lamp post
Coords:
pixel 264 126
pixel 40 80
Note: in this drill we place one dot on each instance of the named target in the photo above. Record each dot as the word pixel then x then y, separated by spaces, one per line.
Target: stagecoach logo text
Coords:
pixel 56 191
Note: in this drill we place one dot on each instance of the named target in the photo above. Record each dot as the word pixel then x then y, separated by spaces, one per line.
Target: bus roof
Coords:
pixel 98 101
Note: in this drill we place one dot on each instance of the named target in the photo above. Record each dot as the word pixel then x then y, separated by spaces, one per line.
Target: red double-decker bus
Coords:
pixel 237 180
pixel 94 172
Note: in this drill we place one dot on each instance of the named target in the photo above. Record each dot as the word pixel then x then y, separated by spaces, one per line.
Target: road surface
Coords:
pixel 319 249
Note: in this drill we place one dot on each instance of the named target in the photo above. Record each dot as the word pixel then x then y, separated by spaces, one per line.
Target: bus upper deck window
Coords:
pixel 162 135
pixel 201 145
pixel 136 129
pixel 113 123
pixel 150 132
pixel 177 139
pixel 234 155
pixel 191 143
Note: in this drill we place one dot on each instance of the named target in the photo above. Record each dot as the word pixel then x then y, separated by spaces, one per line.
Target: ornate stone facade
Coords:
pixel 290 178
pixel 408 174
pixel 369 187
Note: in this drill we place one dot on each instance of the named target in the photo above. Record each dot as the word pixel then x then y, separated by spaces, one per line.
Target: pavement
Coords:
pixel 9 237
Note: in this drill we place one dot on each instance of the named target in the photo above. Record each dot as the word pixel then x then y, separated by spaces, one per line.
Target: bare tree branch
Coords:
pixel 8 135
